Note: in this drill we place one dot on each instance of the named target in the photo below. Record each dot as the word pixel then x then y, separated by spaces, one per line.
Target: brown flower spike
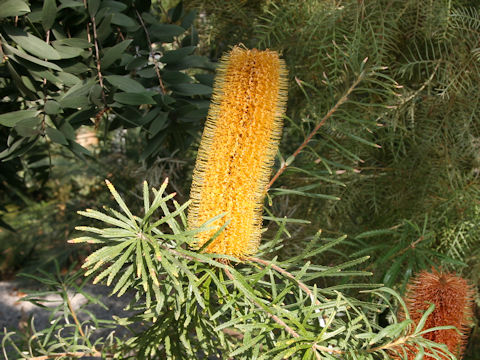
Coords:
pixel 453 300
pixel 237 150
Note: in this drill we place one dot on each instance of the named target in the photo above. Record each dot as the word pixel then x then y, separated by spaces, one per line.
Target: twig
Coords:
pixel 301 285
pixel 315 130
pixel 155 62
pixel 44 86
pixel 287 328
pixel 159 3
pixel 97 58
pixel 399 341
pixel 78 354
pixel 74 315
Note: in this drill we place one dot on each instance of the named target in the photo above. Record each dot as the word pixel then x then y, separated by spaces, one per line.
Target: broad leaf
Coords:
pixel 114 53
pixel 13 8
pixel 33 44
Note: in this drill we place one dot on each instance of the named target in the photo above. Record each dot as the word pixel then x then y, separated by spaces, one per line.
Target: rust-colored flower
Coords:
pixel 237 150
pixel 453 300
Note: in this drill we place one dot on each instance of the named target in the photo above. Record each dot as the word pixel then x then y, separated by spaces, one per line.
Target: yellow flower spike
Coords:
pixel 237 150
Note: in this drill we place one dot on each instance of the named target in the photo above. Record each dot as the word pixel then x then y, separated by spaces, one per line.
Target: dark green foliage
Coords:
pixel 404 145
pixel 106 64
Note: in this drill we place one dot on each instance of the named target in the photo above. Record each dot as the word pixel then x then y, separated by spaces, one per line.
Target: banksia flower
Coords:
pixel 237 150
pixel 453 300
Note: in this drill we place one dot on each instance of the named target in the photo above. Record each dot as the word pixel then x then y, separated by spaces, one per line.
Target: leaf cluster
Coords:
pixel 108 65
pixel 193 304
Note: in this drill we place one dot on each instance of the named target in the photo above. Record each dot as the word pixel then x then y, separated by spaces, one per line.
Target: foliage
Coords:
pixel 380 143
pixel 202 304
pixel 404 144
pixel 106 64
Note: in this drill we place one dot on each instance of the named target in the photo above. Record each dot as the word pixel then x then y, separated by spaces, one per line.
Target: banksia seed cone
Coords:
pixel 237 150
pixel 453 300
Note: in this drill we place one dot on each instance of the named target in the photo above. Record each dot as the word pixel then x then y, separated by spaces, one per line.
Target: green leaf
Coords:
pixel 115 268
pixel 103 255
pixel 74 42
pixel 119 200
pixel 165 32
pixel 52 107
pixel 32 44
pixel 147 72
pixel 424 318
pixel 24 90
pixel 12 118
pixel 93 6
pixel 176 55
pixel 175 77
pixel 372 233
pixel 56 136
pixel 391 331
pixel 49 13
pixel 105 218
pixel 123 20
pixel 177 12
pixel 123 279
pixel 105 28
pixel 13 8
pixel 130 98
pixel 116 6
pixel 71 4
pixel 158 123
pixel 68 130
pixel 114 53
pixel 31 58
pixel 192 89
pixel 362 140
pixel 192 61
pixel 124 83
pixel 67 52
pixel 28 127
pixel 188 19
pixel 205 79
pixel 279 192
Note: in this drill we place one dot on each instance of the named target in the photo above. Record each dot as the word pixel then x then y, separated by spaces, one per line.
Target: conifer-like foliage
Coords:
pixel 402 152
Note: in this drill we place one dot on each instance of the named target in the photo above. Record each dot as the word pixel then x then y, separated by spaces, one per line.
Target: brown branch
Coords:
pixel 44 86
pixel 97 58
pixel 342 100
pixel 77 354
pixel 155 61
pixel 74 315
pixel 287 328
pixel 282 271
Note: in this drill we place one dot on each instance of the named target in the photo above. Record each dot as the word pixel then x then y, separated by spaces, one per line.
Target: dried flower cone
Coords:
pixel 453 299
pixel 237 150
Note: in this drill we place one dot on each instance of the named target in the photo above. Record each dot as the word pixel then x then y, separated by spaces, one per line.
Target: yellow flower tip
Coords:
pixel 237 150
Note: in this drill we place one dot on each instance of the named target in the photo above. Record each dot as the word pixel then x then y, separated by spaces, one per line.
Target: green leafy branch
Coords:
pixel 154 258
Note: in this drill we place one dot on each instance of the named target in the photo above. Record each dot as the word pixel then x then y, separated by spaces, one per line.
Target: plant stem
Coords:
pixel 74 315
pixel 282 271
pixel 343 99
pixel 78 354
pixel 97 58
pixel 287 328
pixel 155 61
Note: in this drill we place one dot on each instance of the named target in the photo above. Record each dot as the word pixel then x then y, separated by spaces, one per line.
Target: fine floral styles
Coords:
pixel 237 150
pixel 452 297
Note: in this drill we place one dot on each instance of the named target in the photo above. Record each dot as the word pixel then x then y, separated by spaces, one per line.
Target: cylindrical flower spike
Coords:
pixel 453 300
pixel 237 150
